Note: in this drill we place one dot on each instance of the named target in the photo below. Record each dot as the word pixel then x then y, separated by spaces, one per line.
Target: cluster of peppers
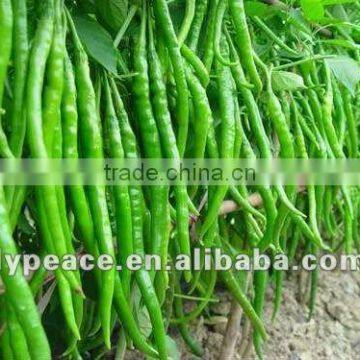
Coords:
pixel 211 77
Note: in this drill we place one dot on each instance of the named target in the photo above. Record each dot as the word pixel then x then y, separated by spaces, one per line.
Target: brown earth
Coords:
pixel 333 332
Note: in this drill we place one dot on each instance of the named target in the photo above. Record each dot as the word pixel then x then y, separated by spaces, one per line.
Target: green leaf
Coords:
pixel 255 8
pixel 97 42
pixel 346 70
pixel 172 349
pixel 339 12
pixel 331 21
pixel 336 2
pixel 341 43
pixel 313 9
pixel 113 12
pixel 87 6
pixel 144 321
pixel 297 20
pixel 286 81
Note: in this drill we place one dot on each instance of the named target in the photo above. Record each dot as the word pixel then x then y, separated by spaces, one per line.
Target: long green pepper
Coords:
pixel 91 143
pixel 37 62
pixel 152 148
pixel 163 19
pixel 225 85
pixel 168 142
pixel 19 293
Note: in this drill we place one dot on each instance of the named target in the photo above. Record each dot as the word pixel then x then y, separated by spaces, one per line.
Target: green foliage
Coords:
pixel 287 81
pixel 313 9
pixel 346 70
pixel 172 349
pixel 97 42
pixel 255 8
pixel 337 2
pixel 113 12
pixel 341 43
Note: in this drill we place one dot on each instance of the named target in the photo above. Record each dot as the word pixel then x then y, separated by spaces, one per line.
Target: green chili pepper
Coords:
pixel 128 321
pixel 194 34
pixel 152 148
pixel 202 114
pixel 21 52
pixel 260 281
pixel 220 12
pixel 37 61
pixel 159 194
pixel 187 21
pixel 191 342
pixel 64 288
pixel 269 33
pixel 5 346
pixel 225 85
pixel 236 291
pixel 91 143
pixel 163 19
pixel 6 26
pixel 19 293
pixel 18 114
pixel 199 68
pixel 186 318
pixel 121 192
pixel 16 335
pixel 54 85
pixel 72 304
pixel 242 37
pixel 168 142
pixel 351 122
pixel 208 43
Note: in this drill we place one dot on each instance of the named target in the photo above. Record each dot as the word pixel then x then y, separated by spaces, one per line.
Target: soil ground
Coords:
pixel 332 333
